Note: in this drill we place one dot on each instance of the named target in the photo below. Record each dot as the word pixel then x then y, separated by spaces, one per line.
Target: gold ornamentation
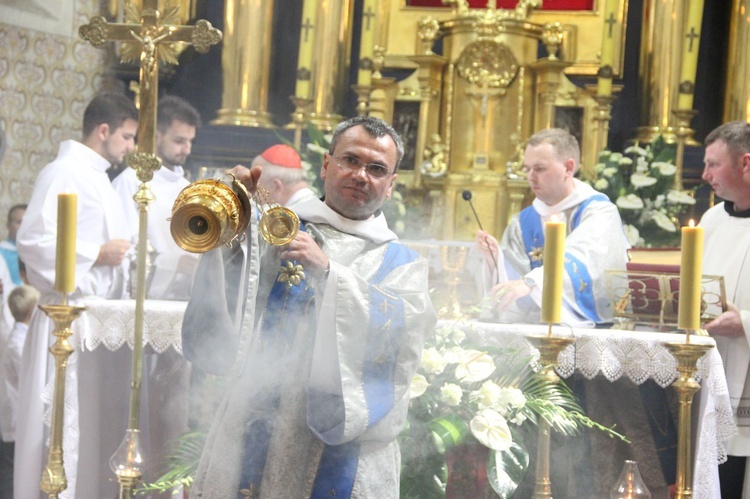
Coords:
pixel 435 164
pixel 488 63
pixel 146 47
pixel 537 254
pixel 428 31
pixel 303 74
pixel 145 164
pixel 291 274
pixel 460 6
pixel 552 37
pixel 378 60
pixel 95 31
pixel 204 36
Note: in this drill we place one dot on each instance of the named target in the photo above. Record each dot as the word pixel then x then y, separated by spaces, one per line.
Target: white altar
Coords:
pixel 637 356
pixel 103 344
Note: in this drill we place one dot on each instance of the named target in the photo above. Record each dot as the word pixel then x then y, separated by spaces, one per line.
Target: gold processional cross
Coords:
pixel 147 35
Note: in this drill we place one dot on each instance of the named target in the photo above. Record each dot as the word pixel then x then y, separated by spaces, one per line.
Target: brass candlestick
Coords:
pixel 363 98
pixel 53 477
pixel 299 118
pixel 686 355
pixel 685 136
pixel 549 348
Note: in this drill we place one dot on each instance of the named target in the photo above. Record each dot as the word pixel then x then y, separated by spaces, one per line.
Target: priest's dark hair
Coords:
pixel 172 108
pixel 735 134
pixel 375 127
pixel 111 108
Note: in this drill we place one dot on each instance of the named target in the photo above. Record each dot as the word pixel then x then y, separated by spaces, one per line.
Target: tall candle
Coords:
pixel 606 63
pixel 690 46
pixel 367 43
pixel 65 261
pixel 691 273
pixel 306 44
pixel 554 261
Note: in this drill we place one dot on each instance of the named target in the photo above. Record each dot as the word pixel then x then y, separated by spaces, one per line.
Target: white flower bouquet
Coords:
pixel 641 183
pixel 463 396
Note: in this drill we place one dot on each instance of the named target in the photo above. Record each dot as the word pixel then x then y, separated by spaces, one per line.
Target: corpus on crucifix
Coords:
pixel 148 36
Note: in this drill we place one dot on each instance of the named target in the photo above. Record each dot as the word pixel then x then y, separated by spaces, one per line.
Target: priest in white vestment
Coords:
pixel 595 240
pixel 109 129
pixel 322 361
pixel 727 253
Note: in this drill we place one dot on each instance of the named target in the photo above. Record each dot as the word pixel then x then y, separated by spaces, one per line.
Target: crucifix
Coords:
pixel 148 36
pixel 691 36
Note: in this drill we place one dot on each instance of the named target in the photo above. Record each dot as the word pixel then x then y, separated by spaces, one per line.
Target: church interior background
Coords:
pixel 465 83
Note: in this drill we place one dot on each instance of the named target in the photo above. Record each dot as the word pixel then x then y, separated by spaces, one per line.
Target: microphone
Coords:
pixel 467 197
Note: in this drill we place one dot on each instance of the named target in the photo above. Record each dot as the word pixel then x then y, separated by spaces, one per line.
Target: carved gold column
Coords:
pixel 246 63
pixel 549 72
pixel 331 62
pixel 737 90
pixel 660 60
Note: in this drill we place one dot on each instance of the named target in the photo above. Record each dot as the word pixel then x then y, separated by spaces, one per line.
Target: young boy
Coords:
pixel 21 301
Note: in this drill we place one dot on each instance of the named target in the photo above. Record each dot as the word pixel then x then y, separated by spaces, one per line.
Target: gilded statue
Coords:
pixel 434 164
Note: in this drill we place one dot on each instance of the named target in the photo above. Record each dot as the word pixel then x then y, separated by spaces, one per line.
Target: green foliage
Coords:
pixel 641 183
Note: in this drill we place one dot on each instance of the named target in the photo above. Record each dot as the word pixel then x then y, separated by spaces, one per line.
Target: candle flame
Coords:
pixel 691 223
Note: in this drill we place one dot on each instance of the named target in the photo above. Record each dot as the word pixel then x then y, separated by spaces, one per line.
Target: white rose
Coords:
pixel 418 386
pixel 601 184
pixel 491 429
pixel 681 197
pixel 609 172
pixel 632 234
pixel 432 362
pixel 641 180
pixel 474 365
pixel 625 161
pixel 451 394
pixel 636 149
pixel 663 221
pixel 512 397
pixel 615 156
pixel 641 165
pixel 487 395
pixel 604 154
pixel 629 202
pixel 665 168
pixel 453 355
pixel 598 168
pixel 518 419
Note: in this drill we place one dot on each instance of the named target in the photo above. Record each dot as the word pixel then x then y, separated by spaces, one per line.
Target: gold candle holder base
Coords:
pixel 127 463
pixel 549 348
pixel 685 136
pixel 686 355
pixel 363 98
pixel 53 479
pixel 299 118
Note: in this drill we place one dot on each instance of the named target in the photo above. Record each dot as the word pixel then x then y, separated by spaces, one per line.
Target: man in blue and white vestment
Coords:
pixel 321 364
pixel 595 239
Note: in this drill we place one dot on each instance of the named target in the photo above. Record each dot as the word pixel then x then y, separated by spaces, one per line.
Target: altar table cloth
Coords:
pixel 637 355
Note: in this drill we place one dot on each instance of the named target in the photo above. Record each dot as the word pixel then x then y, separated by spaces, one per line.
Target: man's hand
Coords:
pixel 306 251
pixel 727 324
pixel 506 293
pixel 488 247
pixel 112 252
pixel 248 177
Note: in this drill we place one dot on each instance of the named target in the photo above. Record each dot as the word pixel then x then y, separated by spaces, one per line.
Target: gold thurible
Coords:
pixel 53 477
pixel 210 213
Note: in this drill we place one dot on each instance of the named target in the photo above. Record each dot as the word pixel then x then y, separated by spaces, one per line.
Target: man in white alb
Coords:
pixel 176 125
pixel 727 253
pixel 109 129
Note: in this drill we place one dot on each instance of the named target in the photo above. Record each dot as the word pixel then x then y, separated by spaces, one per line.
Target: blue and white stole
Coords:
pixel 532 231
pixel 285 306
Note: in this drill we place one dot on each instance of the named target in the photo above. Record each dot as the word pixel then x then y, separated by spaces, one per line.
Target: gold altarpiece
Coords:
pixel 483 97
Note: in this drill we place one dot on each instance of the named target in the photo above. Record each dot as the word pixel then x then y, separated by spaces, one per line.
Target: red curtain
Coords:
pixel 509 4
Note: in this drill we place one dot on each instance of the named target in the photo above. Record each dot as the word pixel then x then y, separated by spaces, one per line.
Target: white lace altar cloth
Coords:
pixel 111 323
pixel 637 355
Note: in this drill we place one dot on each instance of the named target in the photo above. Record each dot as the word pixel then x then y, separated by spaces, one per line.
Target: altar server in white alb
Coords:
pixel 109 129
pixel 283 177
pixel 595 240
pixel 727 253
pixel 325 357
pixel 176 125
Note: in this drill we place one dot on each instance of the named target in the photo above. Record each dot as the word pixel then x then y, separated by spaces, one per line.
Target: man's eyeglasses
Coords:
pixel 351 163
